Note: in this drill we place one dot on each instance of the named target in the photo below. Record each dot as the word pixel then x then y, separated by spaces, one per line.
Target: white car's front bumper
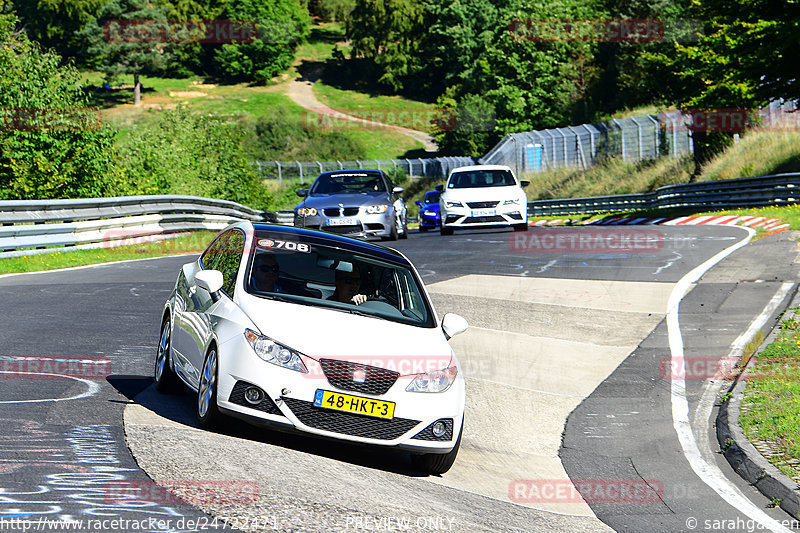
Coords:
pixel 290 395
pixel 456 217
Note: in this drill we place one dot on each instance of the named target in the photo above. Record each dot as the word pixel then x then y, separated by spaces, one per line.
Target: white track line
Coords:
pixel 91 390
pixel 710 474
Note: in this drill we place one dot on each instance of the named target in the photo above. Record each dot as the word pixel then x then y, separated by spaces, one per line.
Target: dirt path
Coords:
pixel 300 90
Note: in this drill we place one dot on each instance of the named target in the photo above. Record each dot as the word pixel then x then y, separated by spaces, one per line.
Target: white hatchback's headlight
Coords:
pixel 511 202
pixel 273 352
pixel 438 381
pixel 307 212
pixel 454 204
pixel 376 209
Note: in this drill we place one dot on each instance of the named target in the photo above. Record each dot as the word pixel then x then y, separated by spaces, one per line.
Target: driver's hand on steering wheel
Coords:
pixel 359 299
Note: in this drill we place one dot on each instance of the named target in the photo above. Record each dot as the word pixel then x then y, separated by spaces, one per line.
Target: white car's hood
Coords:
pixel 482 194
pixel 325 333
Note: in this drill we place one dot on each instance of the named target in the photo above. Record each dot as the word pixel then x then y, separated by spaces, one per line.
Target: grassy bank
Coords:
pixel 771 406
pixel 195 242
pixel 756 154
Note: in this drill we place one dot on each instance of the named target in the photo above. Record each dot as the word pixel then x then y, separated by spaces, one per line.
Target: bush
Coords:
pixel 183 153
pixel 277 136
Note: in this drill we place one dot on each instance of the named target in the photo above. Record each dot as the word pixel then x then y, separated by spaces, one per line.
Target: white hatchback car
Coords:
pixel 483 196
pixel 302 330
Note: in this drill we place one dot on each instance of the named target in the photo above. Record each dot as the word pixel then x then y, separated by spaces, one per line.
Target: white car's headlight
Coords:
pixel 511 202
pixel 307 212
pixel 273 352
pixel 454 204
pixel 376 209
pixel 438 381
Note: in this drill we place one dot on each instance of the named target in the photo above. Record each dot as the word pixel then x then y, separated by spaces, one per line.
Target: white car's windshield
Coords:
pixel 324 276
pixel 481 178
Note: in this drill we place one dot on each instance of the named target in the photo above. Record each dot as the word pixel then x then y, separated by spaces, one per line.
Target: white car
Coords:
pixel 483 196
pixel 302 330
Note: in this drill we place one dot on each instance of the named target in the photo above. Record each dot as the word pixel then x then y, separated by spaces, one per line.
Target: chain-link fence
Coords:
pixel 668 134
pixel 631 139
pixel 306 171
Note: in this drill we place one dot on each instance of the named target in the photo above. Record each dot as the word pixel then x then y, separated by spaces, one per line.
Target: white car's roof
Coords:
pixel 480 167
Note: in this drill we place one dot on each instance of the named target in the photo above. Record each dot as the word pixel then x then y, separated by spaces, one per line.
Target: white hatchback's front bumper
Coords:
pixel 290 395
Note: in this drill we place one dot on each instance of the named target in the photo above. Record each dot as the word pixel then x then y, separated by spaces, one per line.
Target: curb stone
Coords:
pixel 743 456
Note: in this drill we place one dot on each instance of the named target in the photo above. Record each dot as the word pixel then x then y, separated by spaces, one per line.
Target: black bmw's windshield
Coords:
pixel 481 178
pixel 325 276
pixel 348 182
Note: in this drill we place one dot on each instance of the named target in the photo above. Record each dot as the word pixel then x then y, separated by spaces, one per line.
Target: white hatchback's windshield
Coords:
pixel 481 178
pixel 323 276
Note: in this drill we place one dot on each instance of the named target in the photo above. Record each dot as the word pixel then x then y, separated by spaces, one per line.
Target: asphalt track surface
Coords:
pixel 63 442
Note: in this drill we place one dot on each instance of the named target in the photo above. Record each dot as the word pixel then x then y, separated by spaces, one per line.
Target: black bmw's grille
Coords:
pixel 348 423
pixel 341 374
pixel 427 433
pixel 266 405
pixel 482 205
pixel 483 220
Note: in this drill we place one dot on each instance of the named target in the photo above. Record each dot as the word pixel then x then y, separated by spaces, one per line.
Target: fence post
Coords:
pixel 280 178
pixel 656 127
pixel 591 141
pixel 341 167
pixel 639 134
pixel 422 162
pixel 395 166
pixel 622 133
pixel 300 166
pixel 379 164
pixel 579 147
pixel 320 167
pixel 410 168
pixel 359 164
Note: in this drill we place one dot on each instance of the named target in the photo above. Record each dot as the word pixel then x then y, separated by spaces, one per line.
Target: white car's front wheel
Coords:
pixel 207 410
pixel 439 463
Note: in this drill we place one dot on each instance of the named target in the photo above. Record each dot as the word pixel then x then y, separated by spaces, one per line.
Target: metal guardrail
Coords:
pixel 31 226
pixel 306 171
pixel 780 189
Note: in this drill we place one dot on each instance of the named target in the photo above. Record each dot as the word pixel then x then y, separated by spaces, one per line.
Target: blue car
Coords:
pixel 429 211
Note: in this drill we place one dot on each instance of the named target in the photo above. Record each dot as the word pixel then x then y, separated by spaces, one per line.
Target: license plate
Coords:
pixel 341 222
pixel 353 404
pixel 483 212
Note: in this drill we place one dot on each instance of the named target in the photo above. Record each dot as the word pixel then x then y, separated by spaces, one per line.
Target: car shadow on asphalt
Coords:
pixel 180 408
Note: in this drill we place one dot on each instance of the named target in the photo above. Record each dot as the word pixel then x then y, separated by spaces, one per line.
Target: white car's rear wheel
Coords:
pixel 165 378
pixel 207 410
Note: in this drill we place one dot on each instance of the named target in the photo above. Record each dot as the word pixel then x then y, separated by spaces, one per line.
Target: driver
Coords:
pixel 265 273
pixel 347 286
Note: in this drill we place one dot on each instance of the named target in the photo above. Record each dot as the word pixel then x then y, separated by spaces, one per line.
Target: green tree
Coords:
pixel 388 32
pixel 281 26
pixel 129 37
pixel 51 144
pixel 54 23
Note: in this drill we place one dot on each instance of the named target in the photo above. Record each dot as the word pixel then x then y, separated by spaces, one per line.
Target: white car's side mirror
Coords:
pixel 453 324
pixel 211 281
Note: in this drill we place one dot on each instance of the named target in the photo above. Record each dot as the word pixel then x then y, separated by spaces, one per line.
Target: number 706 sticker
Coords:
pixel 285 245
